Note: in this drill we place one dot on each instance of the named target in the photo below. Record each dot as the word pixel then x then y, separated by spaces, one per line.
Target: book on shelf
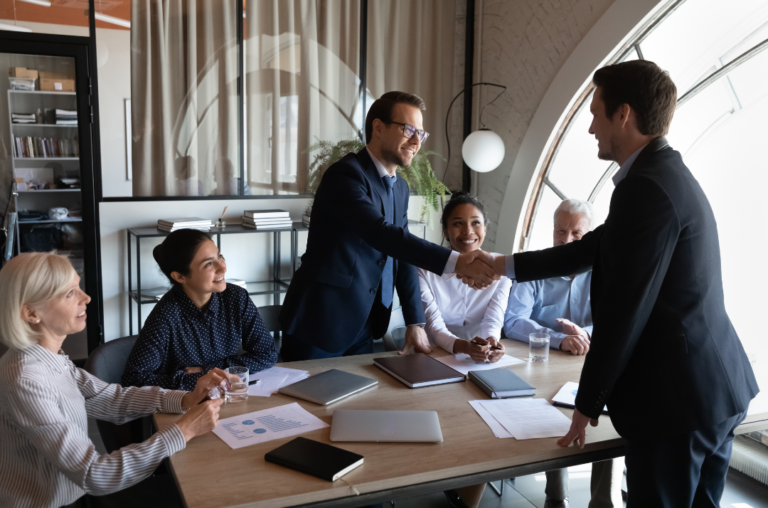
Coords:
pixel 236 282
pixel 305 220
pixel 172 225
pixel 266 221
pixel 268 227
pixel 38 147
pixel 266 214
pixel 152 293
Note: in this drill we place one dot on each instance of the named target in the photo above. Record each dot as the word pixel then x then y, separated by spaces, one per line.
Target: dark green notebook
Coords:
pixel 501 383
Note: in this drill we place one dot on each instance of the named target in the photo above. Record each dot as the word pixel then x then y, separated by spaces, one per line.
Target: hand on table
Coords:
pixel 571 328
pixel 478 349
pixel 214 377
pixel 415 336
pixel 575 344
pixel 578 431
pixel 201 419
pixel 475 269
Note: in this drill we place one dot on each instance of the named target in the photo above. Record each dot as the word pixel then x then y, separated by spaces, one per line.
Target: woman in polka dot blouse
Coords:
pixel 200 324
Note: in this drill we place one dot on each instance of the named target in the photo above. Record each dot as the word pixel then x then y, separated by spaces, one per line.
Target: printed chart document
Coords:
pixel 273 379
pixel 526 418
pixel 464 363
pixel 566 397
pixel 267 425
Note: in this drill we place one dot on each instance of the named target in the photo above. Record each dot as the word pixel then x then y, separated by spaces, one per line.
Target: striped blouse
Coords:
pixel 46 456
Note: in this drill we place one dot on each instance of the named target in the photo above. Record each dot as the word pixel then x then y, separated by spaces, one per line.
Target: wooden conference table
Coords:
pixel 210 474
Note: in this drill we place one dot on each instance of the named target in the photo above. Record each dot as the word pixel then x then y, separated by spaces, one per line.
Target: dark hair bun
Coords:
pixel 178 250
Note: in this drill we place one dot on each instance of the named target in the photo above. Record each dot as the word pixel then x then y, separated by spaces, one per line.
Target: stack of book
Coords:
pixel 172 225
pixel 65 117
pixel 264 220
pixel 236 282
pixel 306 216
pixel 23 118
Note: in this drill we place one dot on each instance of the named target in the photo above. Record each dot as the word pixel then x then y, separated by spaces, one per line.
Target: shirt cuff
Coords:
pixel 555 339
pixel 509 265
pixel 450 266
pixel 173 438
pixel 172 402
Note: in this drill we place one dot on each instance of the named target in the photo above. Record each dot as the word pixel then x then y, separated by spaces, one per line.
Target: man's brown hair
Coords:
pixel 647 89
pixel 383 108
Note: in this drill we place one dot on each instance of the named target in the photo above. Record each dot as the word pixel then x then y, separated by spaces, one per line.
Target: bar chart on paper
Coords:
pixel 266 425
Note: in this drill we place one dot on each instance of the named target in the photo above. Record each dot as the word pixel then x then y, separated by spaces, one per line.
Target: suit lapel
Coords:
pixel 372 174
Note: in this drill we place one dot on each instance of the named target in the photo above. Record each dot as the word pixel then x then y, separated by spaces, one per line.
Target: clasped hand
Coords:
pixel 476 269
pixel 201 418
pixel 480 350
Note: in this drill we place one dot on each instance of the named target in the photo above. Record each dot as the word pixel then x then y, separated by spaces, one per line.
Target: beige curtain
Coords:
pixel 302 86
pixel 184 97
pixel 411 48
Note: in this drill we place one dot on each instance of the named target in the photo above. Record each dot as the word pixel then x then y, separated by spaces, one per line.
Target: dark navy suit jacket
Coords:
pixel 664 355
pixel 333 293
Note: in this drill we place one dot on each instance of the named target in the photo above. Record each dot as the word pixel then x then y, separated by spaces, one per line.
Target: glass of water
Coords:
pixel 238 389
pixel 538 347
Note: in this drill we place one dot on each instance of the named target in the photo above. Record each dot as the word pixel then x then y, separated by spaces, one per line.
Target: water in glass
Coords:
pixel 238 391
pixel 538 347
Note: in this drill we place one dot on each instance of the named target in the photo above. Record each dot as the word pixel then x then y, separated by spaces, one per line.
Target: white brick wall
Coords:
pixel 524 43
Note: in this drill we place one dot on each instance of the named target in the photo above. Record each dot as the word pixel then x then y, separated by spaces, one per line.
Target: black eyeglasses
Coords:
pixel 409 131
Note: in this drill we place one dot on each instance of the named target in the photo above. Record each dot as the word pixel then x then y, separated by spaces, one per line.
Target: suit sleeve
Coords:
pixel 347 187
pixel 561 261
pixel 640 237
pixel 407 285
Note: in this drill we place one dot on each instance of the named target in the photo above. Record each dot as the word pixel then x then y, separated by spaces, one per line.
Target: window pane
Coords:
pixel 602 203
pixel 576 168
pixel 302 87
pixel 60 18
pixel 697 115
pixel 184 76
pixel 543 221
pixel 691 41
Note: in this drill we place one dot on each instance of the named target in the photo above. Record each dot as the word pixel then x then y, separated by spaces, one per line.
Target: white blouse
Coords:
pixel 449 305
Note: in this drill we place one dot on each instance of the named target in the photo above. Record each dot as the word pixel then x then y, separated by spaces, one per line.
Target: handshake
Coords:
pixel 478 269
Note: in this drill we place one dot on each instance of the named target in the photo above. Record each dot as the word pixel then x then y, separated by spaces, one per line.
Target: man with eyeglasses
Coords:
pixel 359 249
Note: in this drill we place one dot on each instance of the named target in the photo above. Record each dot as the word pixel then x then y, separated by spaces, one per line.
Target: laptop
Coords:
pixel 328 387
pixel 386 426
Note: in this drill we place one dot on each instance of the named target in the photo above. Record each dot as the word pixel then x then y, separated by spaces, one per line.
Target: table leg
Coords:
pixel 130 302
pixel 138 282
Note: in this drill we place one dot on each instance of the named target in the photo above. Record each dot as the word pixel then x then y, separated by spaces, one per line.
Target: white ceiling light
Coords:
pixel 14 28
pixel 44 3
pixel 483 150
pixel 113 20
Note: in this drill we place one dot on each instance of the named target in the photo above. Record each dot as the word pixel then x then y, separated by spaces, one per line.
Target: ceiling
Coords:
pixel 66 12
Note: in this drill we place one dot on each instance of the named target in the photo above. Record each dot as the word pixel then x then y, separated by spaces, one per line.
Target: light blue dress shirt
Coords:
pixel 535 306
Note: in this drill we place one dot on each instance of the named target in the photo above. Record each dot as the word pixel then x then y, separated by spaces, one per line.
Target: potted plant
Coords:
pixel 419 175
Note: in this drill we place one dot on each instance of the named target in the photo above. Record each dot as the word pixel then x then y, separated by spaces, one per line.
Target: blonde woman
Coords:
pixel 46 456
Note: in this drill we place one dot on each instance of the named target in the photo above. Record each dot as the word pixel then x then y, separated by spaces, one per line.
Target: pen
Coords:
pixel 478 344
pixel 254 382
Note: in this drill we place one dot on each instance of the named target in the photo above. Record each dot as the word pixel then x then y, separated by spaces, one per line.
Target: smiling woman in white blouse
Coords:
pixel 46 456
pixel 457 313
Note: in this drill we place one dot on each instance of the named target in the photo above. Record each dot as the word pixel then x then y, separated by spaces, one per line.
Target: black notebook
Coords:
pixel 418 370
pixel 315 458
pixel 501 383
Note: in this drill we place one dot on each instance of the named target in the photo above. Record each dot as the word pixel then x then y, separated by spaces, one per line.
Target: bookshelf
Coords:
pixel 45 165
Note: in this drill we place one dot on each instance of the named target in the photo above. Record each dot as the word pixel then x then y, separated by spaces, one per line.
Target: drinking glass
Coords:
pixel 538 347
pixel 238 391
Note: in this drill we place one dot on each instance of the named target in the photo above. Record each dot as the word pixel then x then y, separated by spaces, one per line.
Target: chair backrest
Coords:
pixel 270 314
pixel 107 362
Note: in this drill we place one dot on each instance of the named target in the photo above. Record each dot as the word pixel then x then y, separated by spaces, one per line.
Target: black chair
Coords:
pixel 270 314
pixel 107 362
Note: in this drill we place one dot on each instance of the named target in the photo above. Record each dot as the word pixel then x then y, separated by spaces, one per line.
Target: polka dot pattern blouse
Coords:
pixel 177 335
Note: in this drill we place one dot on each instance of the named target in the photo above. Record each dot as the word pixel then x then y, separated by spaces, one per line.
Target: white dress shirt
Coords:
pixel 449 303
pixel 450 266
pixel 46 456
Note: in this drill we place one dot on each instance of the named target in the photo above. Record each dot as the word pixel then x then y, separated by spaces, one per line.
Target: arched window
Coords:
pixel 714 52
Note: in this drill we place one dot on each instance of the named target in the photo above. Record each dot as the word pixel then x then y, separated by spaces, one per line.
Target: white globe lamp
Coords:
pixel 483 150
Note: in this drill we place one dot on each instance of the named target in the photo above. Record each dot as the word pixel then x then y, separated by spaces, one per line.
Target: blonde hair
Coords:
pixel 31 278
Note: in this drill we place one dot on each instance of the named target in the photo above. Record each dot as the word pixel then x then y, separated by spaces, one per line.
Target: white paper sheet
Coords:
pixel 464 363
pixel 266 425
pixel 566 397
pixel 497 428
pixel 529 418
pixel 273 379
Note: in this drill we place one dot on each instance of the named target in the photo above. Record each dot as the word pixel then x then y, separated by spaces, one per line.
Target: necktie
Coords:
pixel 387 278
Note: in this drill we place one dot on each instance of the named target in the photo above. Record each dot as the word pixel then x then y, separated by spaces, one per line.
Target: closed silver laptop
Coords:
pixel 328 387
pixel 386 426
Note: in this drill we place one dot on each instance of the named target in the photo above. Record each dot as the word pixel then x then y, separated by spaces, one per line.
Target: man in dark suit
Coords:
pixel 664 355
pixel 359 249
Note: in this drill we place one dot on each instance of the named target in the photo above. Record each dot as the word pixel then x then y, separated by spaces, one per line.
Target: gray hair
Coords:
pixel 574 206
